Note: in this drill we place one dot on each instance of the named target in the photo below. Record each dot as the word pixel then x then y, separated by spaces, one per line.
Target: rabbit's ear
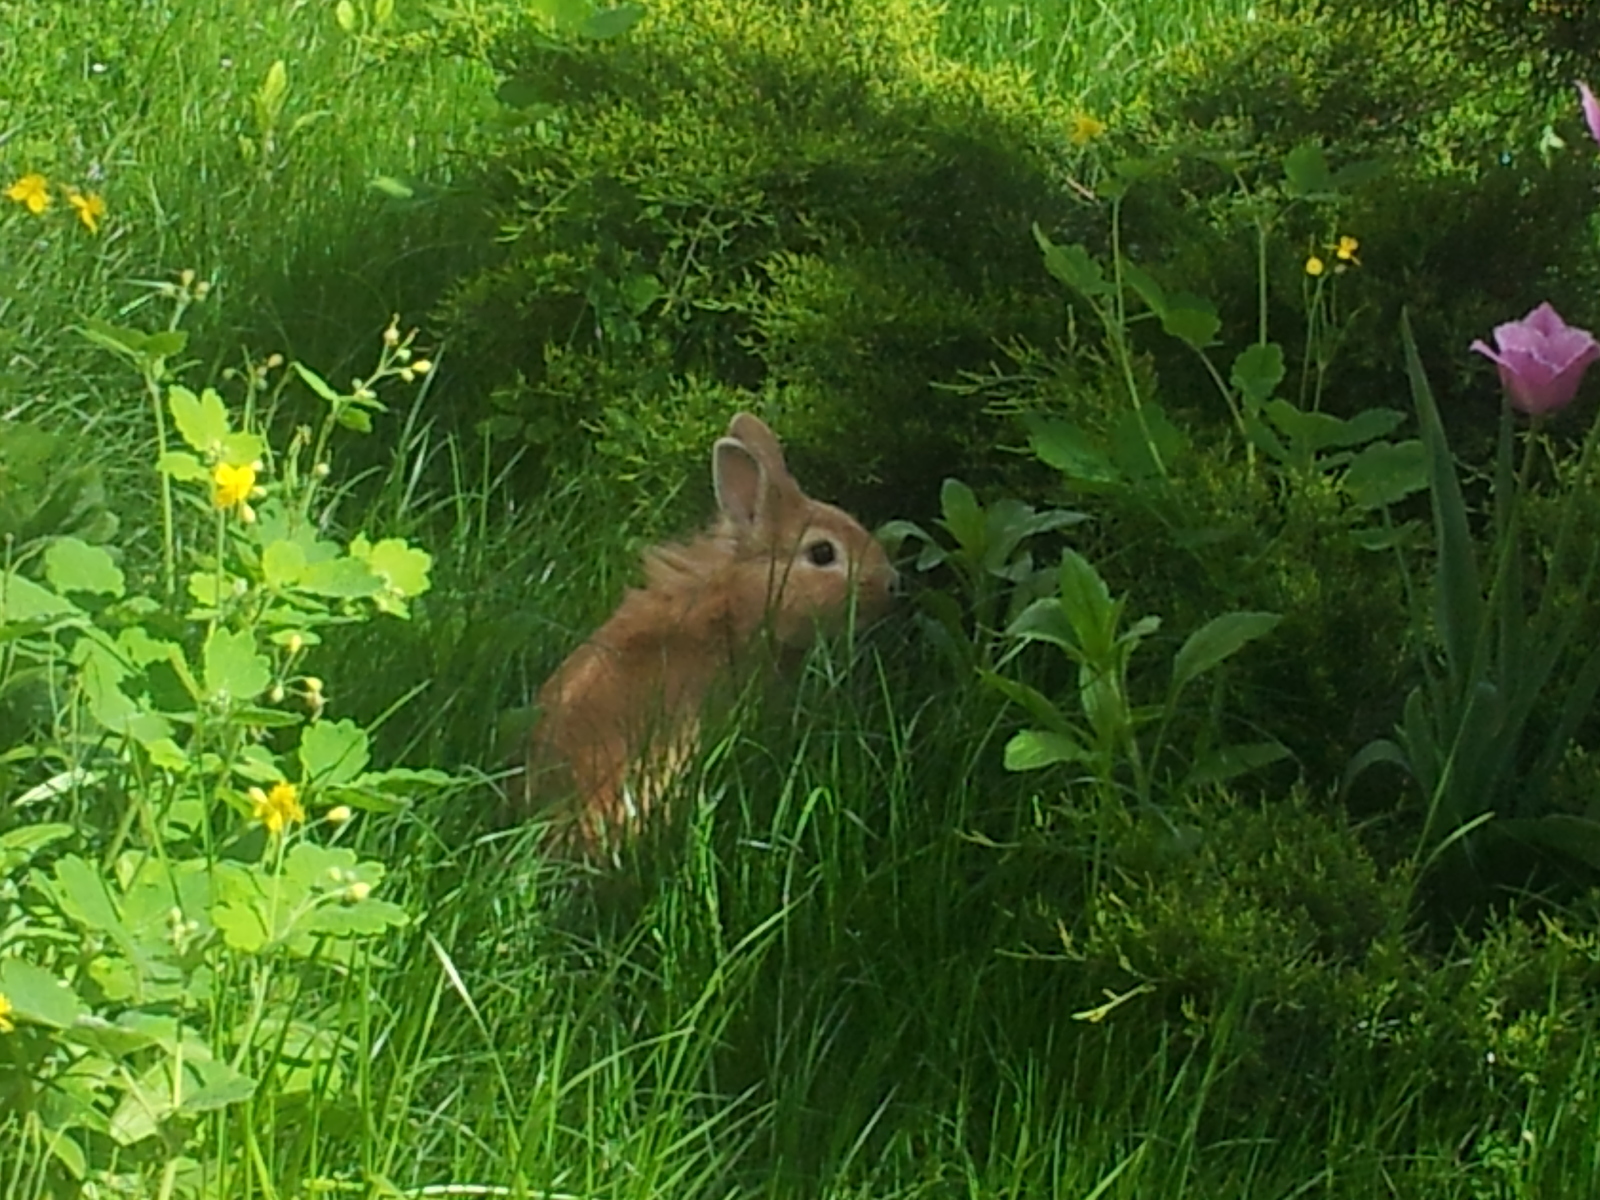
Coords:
pixel 760 440
pixel 741 482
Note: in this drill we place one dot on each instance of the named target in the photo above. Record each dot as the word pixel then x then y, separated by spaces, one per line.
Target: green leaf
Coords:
pixel 333 752
pixel 963 515
pixel 1386 473
pixel 1035 748
pixel 1191 319
pixel 130 343
pixel 83 895
pixel 344 578
pixel 1073 266
pixel 282 563
pixel 316 383
pixel 234 669
pixel 1257 372
pixel 183 467
pixel 166 343
pixel 1306 170
pixel 1227 762
pixel 220 1086
pixel 402 567
pixel 1045 620
pixel 611 23
pixel 1148 288
pixel 1073 452
pixel 22 600
pixel 344 15
pixel 72 565
pixel 1087 603
pixel 1216 641
pixel 1458 599
pixel 202 420
pixel 18 846
pixel 38 996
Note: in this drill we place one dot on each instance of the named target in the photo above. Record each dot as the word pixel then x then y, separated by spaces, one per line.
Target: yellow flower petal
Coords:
pixel 91 207
pixel 278 808
pixel 230 485
pixel 1347 248
pixel 1315 266
pixel 6 1023
pixel 32 191
pixel 1085 129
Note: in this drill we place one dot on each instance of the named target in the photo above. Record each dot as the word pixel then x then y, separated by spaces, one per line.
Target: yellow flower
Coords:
pixel 6 1023
pixel 230 485
pixel 1346 250
pixel 91 207
pixel 1315 266
pixel 32 192
pixel 278 808
pixel 1085 129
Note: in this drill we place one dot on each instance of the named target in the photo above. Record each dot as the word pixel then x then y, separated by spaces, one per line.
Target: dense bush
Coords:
pixel 796 206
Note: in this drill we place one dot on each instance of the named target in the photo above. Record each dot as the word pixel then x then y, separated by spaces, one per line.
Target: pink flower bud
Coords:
pixel 1541 359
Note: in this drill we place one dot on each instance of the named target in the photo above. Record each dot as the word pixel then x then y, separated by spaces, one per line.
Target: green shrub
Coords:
pixel 797 207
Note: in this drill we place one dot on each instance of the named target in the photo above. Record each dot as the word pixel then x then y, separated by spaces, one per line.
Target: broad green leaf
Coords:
pixel 402 567
pixel 1372 423
pixel 344 578
pixel 270 96
pixel 963 516
pixel 129 343
pixel 83 895
pixel 610 23
pixel 72 565
pixel 18 846
pixel 21 600
pixel 1087 602
pixel 1216 641
pixel 1073 266
pixel 282 563
pixel 166 343
pixel 241 448
pixel 1306 170
pixel 1227 762
pixel 333 752
pixel 1147 286
pixel 202 420
pixel 1386 473
pixel 234 669
pixel 362 918
pixel 219 1086
pixel 344 15
pixel 1046 620
pixel 1191 319
pixel 182 466
pixel 1035 748
pixel 1139 437
pixel 1073 452
pixel 37 995
pixel 1257 372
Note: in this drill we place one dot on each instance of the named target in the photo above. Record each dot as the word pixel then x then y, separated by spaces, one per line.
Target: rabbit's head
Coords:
pixel 799 565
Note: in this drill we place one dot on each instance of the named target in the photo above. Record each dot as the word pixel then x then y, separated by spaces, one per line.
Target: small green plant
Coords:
pixel 992 561
pixel 181 922
pixel 1085 623
pixel 1471 736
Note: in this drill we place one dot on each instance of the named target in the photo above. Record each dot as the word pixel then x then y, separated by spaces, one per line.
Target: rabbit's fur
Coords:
pixel 621 716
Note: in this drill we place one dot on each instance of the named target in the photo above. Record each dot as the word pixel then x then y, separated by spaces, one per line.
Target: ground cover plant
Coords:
pixel 1216 815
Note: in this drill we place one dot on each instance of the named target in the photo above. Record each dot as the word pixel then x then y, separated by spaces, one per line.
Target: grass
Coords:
pixel 839 974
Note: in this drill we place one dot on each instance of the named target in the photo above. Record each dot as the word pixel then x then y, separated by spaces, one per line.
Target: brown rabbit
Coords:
pixel 621 716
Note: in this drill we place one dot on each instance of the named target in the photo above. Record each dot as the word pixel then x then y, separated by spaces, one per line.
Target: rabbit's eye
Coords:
pixel 821 554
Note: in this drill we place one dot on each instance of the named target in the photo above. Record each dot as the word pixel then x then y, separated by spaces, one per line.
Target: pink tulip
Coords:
pixel 1591 110
pixel 1541 359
